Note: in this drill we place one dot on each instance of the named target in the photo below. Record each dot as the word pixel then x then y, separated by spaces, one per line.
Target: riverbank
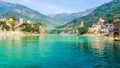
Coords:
pixel 99 35
pixel 109 38
pixel 17 33
pixel 11 33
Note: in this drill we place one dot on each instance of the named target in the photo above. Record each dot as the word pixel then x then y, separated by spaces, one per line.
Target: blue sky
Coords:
pixel 59 6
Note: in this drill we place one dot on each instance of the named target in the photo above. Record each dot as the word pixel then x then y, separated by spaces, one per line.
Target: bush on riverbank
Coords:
pixel 33 28
pixel 82 30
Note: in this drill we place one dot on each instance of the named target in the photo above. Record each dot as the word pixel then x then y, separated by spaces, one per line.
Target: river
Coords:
pixel 54 51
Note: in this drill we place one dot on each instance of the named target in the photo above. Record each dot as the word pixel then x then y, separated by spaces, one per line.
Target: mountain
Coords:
pixel 19 11
pixel 65 17
pixel 108 11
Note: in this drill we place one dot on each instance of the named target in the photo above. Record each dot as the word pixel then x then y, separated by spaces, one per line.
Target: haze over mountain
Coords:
pixel 19 11
pixel 65 17
pixel 108 12
pixel 59 6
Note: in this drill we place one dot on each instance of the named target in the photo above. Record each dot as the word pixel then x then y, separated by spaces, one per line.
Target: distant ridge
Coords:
pixel 65 17
pixel 20 11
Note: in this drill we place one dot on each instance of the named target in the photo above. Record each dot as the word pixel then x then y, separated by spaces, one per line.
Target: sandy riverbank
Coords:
pixel 17 33
pixel 98 35
pixel 11 33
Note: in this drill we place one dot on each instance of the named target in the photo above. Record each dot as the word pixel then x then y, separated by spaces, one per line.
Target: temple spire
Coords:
pixel 82 24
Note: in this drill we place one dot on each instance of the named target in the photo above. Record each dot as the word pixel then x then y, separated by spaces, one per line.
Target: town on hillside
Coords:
pixel 110 31
pixel 11 25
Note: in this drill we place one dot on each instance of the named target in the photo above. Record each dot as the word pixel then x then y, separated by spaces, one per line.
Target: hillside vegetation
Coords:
pixel 108 12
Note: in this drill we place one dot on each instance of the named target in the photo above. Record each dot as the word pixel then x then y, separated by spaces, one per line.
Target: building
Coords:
pixel 96 27
pixel 29 22
pixel 100 28
pixel 3 19
pixel 82 24
pixel 100 22
pixel 21 21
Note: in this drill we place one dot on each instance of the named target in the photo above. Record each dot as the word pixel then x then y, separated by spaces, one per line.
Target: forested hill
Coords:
pixel 19 11
pixel 108 12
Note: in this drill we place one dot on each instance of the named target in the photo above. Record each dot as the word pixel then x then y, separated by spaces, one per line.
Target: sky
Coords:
pixel 59 6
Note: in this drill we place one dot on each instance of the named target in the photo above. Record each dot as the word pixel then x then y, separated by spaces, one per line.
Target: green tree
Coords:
pixel 39 23
pixel 104 22
pixel 12 22
pixel 26 27
pixel 13 18
pixel 3 25
pixel 36 28
pixel 82 30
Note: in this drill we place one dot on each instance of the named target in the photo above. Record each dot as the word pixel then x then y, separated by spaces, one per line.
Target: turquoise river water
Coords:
pixel 58 52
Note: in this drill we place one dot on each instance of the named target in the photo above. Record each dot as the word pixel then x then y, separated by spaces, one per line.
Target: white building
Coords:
pixel 21 21
pixel 3 19
pixel 101 28
pixel 29 22
pixel 82 24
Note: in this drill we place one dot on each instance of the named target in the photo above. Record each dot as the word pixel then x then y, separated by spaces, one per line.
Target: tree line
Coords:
pixel 11 25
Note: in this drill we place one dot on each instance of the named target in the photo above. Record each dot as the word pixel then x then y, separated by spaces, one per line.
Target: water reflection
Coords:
pixel 117 45
pixel 59 51
pixel 101 53
pixel 13 48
